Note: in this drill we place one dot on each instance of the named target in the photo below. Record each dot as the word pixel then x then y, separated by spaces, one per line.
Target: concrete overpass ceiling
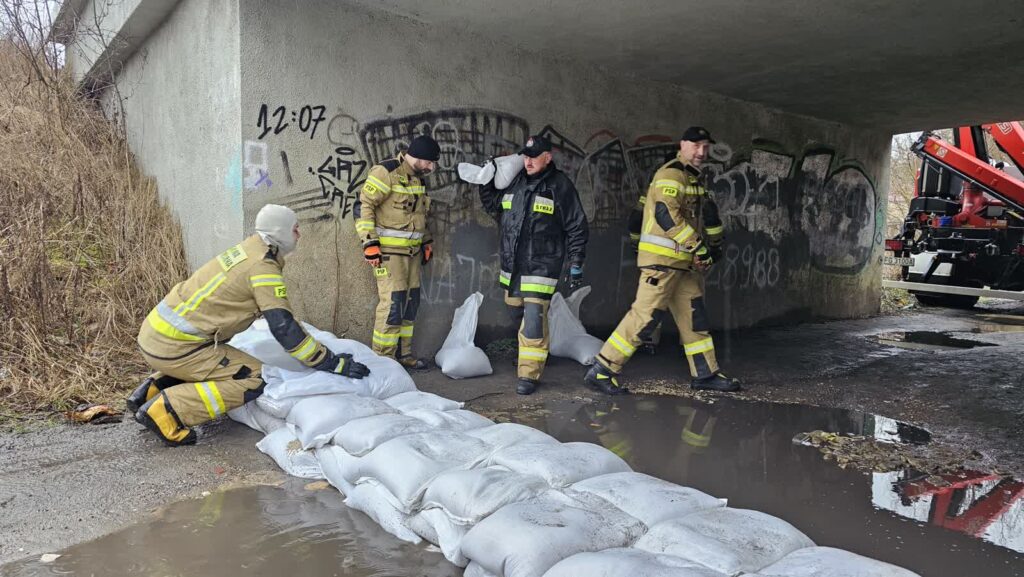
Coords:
pixel 900 65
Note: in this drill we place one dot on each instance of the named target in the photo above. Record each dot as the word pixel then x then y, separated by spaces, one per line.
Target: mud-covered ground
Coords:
pixel 63 484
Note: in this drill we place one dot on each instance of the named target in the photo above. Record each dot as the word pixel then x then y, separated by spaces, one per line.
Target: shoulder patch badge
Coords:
pixel 231 257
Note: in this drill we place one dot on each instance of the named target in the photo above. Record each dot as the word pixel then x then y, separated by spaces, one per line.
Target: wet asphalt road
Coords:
pixel 67 484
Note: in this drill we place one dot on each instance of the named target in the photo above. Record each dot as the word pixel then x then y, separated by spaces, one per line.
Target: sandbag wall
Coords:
pixel 506 500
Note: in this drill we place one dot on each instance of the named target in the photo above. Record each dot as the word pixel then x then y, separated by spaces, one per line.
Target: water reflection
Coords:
pixel 742 451
pixel 261 531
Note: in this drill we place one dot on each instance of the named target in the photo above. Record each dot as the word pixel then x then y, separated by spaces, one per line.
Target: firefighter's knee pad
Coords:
pixel 412 306
pixel 515 313
pixel 397 308
pixel 533 320
pixel 700 320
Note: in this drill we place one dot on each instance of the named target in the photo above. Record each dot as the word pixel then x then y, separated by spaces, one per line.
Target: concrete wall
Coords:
pixel 330 89
pixel 178 97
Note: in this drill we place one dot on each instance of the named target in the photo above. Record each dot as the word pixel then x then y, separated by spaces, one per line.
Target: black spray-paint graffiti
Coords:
pixel 306 119
pixel 782 212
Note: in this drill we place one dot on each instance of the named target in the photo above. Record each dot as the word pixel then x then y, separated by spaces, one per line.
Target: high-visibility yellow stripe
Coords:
pixel 694 190
pixel 364 225
pixel 202 294
pixel 537 288
pixel 216 395
pixel 266 280
pixel 408 189
pixel 406 331
pixel 305 350
pixel 533 353
pixel 684 235
pixel 385 339
pixel 378 183
pixel 669 184
pixel 206 401
pixel 163 327
pixel 713 230
pixel 504 278
pixel 506 204
pixel 662 251
pixel 619 342
pixel 701 346
pixel 392 241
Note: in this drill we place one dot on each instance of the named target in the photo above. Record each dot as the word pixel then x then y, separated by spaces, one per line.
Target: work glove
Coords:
pixel 703 258
pixel 346 367
pixel 371 252
pixel 427 252
pixel 575 276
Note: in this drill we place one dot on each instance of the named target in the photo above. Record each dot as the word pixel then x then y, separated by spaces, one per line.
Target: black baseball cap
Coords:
pixel 536 146
pixel 696 134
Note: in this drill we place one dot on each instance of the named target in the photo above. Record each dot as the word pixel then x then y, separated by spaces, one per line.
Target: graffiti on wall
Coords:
pixel 783 211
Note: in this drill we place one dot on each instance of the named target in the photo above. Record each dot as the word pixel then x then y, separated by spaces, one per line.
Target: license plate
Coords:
pixel 899 260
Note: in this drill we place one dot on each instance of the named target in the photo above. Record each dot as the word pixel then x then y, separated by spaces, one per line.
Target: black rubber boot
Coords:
pixel 526 386
pixel 140 395
pixel 600 378
pixel 716 382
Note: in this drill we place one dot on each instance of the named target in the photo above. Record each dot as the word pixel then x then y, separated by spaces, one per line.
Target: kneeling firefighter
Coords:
pixel 199 377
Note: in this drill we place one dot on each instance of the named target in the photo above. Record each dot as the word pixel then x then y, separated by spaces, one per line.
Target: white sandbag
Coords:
pixel 507 434
pixel 434 526
pixel 459 357
pixel 502 170
pixel 387 377
pixel 725 539
pixel 360 436
pixel 369 499
pixel 406 465
pixel 830 562
pixel 277 408
pixel 284 448
pixel 647 498
pixel 506 169
pixel 468 496
pixel 560 464
pixel 258 342
pixel 628 563
pixel 474 174
pixel 568 337
pixel 252 416
pixel 316 419
pixel 422 400
pixel 337 465
pixel 475 570
pixel 457 420
pixel 526 539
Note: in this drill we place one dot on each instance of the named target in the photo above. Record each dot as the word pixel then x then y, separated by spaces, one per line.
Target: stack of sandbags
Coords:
pixel 505 500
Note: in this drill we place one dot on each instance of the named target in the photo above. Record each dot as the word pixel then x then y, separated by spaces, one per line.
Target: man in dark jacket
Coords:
pixel 542 222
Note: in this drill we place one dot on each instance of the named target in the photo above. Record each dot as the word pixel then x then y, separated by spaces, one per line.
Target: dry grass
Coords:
pixel 86 248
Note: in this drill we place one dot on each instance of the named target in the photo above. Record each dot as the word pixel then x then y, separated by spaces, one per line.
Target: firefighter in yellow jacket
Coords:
pixel 391 221
pixel 199 377
pixel 675 247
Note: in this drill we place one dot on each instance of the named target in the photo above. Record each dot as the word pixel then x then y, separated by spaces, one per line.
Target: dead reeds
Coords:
pixel 86 248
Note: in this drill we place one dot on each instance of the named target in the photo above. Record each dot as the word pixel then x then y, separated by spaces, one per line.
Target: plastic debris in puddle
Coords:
pixel 928 340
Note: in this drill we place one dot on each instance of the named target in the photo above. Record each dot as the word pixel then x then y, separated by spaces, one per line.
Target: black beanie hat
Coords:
pixel 425 148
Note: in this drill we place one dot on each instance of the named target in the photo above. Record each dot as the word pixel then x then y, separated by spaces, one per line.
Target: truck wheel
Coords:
pixel 946 301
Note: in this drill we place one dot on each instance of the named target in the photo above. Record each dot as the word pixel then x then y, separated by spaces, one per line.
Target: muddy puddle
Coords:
pixel 958 525
pixel 929 340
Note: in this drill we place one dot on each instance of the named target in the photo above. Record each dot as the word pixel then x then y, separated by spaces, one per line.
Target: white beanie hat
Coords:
pixel 275 224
